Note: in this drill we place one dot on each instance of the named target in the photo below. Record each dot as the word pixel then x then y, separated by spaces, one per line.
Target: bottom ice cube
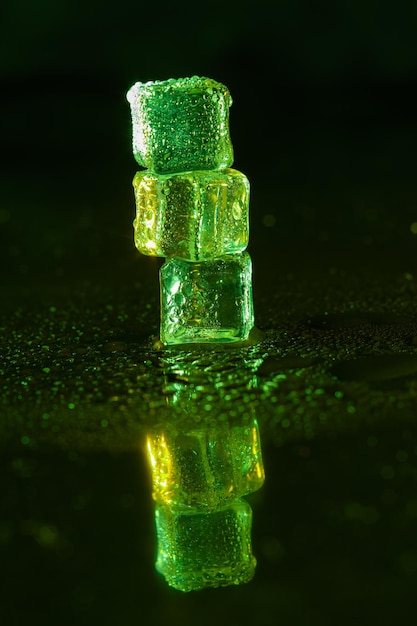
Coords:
pixel 208 301
pixel 202 550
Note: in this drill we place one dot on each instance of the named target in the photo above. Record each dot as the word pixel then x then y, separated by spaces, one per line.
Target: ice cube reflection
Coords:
pixel 201 469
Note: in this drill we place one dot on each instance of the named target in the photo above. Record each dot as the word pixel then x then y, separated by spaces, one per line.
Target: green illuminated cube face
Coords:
pixel 205 468
pixel 181 124
pixel 195 216
pixel 208 301
pixel 201 550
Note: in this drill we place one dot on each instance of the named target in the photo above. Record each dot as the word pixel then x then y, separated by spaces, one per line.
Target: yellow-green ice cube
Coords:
pixel 207 301
pixel 181 124
pixel 205 468
pixel 196 216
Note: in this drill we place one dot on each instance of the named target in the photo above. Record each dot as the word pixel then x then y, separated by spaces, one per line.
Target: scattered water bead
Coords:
pixel 181 124
pixel 206 468
pixel 207 301
pixel 382 367
pixel 196 216
pixel 199 550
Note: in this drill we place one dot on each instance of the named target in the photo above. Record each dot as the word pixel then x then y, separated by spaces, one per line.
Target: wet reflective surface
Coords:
pixel 330 379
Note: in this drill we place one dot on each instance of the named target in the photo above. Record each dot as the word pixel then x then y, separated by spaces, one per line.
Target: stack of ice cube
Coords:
pixel 192 209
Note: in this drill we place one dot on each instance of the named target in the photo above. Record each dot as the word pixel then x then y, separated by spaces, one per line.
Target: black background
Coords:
pixel 324 125
pixel 324 103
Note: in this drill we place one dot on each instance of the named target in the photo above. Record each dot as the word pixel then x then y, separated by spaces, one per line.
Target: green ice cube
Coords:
pixel 208 301
pixel 198 550
pixel 181 124
pixel 195 216
pixel 205 468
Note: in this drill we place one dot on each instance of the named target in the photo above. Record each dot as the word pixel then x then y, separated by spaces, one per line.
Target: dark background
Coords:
pixel 323 120
pixel 324 125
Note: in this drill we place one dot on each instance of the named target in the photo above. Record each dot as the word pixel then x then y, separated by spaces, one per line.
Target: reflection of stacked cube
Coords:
pixel 193 209
pixel 203 525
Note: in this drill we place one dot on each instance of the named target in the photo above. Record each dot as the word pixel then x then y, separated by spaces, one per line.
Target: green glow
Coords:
pixel 195 216
pixel 198 550
pixel 207 302
pixel 181 124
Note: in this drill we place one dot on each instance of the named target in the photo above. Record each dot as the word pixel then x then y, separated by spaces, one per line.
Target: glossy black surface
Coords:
pixel 331 160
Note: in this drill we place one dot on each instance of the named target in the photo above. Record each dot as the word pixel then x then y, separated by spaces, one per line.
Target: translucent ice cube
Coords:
pixel 198 550
pixel 195 216
pixel 209 301
pixel 205 468
pixel 181 124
